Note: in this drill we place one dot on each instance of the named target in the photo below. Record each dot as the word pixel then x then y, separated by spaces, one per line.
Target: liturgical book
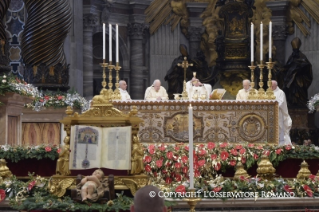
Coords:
pixel 97 147
pixel 217 94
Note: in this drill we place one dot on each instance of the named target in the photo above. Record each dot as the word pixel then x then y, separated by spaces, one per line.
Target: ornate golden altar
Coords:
pixel 217 121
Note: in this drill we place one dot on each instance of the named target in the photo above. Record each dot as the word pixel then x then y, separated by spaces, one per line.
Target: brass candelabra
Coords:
pixel 193 200
pixel 252 92
pixel 117 93
pixel 110 84
pixel 269 92
pixel 261 91
pixel 104 65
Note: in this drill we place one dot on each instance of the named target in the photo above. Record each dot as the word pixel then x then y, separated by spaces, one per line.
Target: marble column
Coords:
pixel 89 22
pixel 136 33
pixel 195 34
pixel 279 35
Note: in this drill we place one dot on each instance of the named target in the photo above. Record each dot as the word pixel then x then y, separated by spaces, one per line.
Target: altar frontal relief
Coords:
pixel 97 147
pixel 217 121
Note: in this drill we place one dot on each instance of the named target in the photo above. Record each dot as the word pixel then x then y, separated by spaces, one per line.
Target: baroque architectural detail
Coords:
pixel 106 12
pixel 4 44
pixel 90 21
pixel 195 33
pixel 279 32
pixel 136 30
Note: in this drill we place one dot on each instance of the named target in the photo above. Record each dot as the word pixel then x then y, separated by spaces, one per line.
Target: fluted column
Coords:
pixel 4 57
pixel 42 42
pixel 195 34
pixel 89 22
pixel 136 32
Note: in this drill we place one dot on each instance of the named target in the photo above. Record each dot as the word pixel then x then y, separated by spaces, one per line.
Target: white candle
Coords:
pixel 103 42
pixel 110 42
pixel 117 43
pixel 270 35
pixel 191 157
pixel 252 42
pixel 261 41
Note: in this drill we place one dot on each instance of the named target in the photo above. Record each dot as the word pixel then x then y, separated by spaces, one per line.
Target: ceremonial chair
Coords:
pixel 108 194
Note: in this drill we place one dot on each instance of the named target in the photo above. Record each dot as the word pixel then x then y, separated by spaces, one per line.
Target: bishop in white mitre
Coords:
pixel 285 121
pixel 243 93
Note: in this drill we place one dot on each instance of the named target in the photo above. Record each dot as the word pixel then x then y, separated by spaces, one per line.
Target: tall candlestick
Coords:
pixel 261 41
pixel 103 42
pixel 191 156
pixel 110 42
pixel 117 43
pixel 252 42
pixel 270 35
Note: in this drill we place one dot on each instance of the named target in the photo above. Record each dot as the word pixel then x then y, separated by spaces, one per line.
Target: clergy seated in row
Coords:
pixel 284 119
pixel 156 92
pixel 124 94
pixel 197 90
pixel 243 93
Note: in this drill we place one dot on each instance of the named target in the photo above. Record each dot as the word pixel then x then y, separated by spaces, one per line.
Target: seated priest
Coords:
pixel 243 93
pixel 156 92
pixel 124 94
pixel 284 119
pixel 197 90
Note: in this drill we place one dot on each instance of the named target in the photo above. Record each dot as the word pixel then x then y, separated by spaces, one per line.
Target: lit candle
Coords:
pixel 103 42
pixel 110 42
pixel 261 41
pixel 117 43
pixel 270 35
pixel 252 42
pixel 190 137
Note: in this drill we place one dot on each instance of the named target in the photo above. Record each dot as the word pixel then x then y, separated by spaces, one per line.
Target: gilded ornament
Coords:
pixel 57 187
pixel 240 171
pixel 304 171
pixel 265 168
pixel 4 170
pixel 62 166
pixel 137 156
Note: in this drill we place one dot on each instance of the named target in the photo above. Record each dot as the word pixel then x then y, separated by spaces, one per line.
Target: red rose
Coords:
pixel 287 188
pixel 243 160
pixel 162 147
pixel 151 149
pixel 312 177
pixel 210 145
pixel 233 152
pixel 255 156
pixel 169 155
pixel 48 149
pixel 266 152
pixel 159 163
pixel 213 156
pixel 224 155
pixel 31 184
pixel 178 165
pixel 186 148
pixel 278 151
pixel 201 163
pixel 242 151
pixel 148 159
pixel 148 168
pixel 288 147
pixel 232 163
pixel 238 147
pixel 58 151
pixel 184 159
pixel 259 147
pixel 217 189
pixel 201 146
pixel 308 190
pixel 196 173
pixel 217 166
pixel 180 189
pixel 202 152
pixel 2 195
pixel 223 145
pixel 242 178
pixel 185 169
pixel 176 148
pixel 251 145
pixel 168 180
pixel 178 178
pixel 46 97
pixel 60 97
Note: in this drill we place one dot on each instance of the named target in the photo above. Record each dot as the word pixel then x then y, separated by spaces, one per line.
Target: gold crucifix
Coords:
pixel 184 65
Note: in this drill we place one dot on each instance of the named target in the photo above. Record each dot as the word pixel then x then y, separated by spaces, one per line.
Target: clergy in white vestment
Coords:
pixel 124 94
pixel 156 92
pixel 285 121
pixel 243 93
pixel 197 90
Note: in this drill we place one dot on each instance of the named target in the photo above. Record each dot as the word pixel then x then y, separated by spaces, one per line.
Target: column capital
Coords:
pixel 136 30
pixel 195 33
pixel 90 21
pixel 279 32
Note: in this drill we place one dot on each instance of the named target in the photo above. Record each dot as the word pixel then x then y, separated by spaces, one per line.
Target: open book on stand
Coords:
pixel 217 94
pixel 98 147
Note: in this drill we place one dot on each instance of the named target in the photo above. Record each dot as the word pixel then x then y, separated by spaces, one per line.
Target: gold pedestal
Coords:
pixel 265 168
pixel 193 200
pixel 304 171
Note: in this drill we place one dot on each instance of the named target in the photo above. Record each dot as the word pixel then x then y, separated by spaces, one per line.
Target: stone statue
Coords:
pixel 298 77
pixel 137 157
pixel 62 166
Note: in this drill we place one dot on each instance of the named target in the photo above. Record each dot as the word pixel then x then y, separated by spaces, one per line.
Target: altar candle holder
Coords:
pixel 193 200
pixel 270 93
pixel 110 84
pixel 261 91
pixel 117 93
pixel 104 65
pixel 252 92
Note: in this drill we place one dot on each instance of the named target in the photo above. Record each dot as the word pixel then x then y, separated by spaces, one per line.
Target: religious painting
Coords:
pixel 34 134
